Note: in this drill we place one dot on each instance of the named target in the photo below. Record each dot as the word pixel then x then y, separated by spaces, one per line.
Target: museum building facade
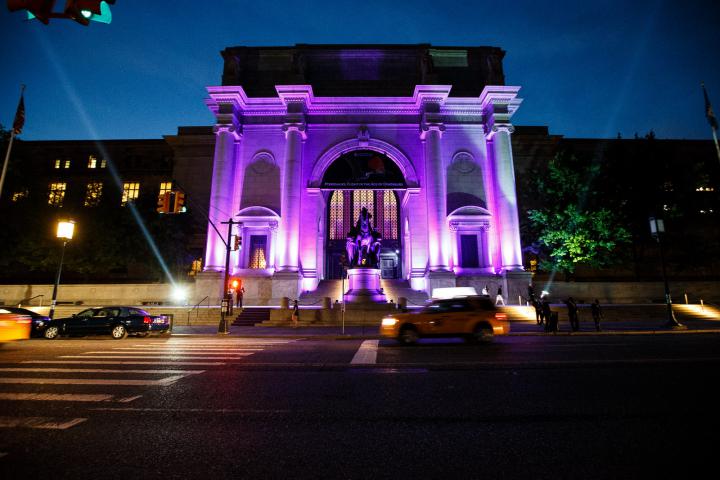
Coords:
pixel 306 137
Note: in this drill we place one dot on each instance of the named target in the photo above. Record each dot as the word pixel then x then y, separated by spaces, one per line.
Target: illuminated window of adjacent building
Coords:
pixel 17 196
pixel 337 224
pixel 92 161
pixel 164 188
pixel 389 215
pixel 103 163
pixel 57 194
pixel 67 164
pixel 258 259
pixel 705 189
pixel 58 163
pixel 130 192
pixel 93 194
pixel 196 267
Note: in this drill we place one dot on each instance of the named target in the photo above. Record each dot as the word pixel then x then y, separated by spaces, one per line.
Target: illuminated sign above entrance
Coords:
pixel 363 169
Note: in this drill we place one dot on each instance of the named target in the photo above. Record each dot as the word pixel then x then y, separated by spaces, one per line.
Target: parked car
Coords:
pixel 117 321
pixel 474 318
pixel 14 327
pixel 39 322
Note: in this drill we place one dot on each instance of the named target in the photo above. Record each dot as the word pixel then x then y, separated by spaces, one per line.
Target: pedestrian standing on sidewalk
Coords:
pixel 499 298
pixel 572 314
pixel 539 317
pixel 596 313
pixel 550 319
pixel 295 314
pixel 486 291
pixel 239 296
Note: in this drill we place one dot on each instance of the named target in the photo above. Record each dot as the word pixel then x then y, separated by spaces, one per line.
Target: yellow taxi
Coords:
pixel 474 318
pixel 14 327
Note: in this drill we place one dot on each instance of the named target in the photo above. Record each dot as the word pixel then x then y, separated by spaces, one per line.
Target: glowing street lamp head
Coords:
pixel 65 229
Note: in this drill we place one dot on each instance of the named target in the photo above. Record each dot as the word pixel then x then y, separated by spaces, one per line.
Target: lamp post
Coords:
pixel 657 228
pixel 65 231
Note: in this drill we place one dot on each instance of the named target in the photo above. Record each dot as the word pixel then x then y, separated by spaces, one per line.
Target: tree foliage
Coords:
pixel 570 225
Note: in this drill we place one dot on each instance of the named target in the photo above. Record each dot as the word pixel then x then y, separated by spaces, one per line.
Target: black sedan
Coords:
pixel 115 321
pixel 39 322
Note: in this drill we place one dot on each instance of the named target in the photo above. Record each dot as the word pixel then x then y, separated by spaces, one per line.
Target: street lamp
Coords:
pixel 657 228
pixel 65 231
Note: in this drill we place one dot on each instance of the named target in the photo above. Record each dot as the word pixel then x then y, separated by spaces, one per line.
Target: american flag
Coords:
pixel 19 121
pixel 712 120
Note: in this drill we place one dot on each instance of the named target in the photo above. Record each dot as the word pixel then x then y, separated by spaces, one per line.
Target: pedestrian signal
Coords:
pixel 179 204
pixel 238 242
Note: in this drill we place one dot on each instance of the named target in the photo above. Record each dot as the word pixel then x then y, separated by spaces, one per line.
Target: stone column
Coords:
pixel 507 221
pixel 290 198
pixel 436 198
pixel 221 193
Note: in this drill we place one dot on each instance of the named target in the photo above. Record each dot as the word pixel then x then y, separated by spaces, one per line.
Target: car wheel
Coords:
pixel 483 333
pixel 51 333
pixel 408 336
pixel 119 332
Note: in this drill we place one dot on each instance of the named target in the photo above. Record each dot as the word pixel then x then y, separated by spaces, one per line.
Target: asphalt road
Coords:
pixel 206 407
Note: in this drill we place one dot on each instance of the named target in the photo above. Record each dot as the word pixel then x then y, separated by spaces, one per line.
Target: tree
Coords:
pixel 569 226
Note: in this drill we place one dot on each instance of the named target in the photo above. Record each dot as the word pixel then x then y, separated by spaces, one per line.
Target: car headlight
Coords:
pixel 389 322
pixel 40 323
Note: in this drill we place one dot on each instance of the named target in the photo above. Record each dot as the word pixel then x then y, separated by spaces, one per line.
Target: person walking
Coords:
pixel 486 291
pixel 499 297
pixel 550 318
pixel 596 313
pixel 572 314
pixel 295 317
pixel 239 293
pixel 539 317
pixel 531 294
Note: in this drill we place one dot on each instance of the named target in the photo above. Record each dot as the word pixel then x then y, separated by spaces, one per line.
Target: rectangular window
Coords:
pixel 130 193
pixel 164 188
pixel 57 194
pixel 17 196
pixel 92 161
pixel 93 194
pixel 258 259
pixel 103 163
pixel 58 163
pixel 67 164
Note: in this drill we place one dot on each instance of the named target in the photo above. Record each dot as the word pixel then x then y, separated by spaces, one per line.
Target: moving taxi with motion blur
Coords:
pixel 474 318
pixel 14 327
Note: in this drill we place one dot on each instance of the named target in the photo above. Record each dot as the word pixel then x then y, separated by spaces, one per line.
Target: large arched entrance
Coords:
pixel 363 179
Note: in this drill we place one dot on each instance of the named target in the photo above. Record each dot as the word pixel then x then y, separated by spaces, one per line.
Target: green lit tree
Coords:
pixel 574 222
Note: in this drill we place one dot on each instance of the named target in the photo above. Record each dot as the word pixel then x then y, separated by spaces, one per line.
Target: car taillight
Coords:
pixel 147 320
pixel 500 316
pixel 23 320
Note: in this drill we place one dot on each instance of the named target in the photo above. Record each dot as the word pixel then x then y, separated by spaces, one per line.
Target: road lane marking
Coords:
pixel 191 349
pixel 367 353
pixel 99 370
pixel 66 397
pixel 188 410
pixel 165 357
pixel 104 362
pixel 39 422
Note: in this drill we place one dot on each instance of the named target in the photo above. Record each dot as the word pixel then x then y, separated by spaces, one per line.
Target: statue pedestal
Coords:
pixel 364 286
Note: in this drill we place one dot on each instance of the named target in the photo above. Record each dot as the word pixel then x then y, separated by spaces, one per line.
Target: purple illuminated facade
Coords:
pixel 441 171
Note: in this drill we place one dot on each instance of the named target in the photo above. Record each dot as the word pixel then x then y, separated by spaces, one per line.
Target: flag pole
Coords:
pixel 717 148
pixel 710 115
pixel 18 124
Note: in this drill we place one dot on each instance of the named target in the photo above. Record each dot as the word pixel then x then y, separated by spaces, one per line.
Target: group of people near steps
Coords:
pixel 545 317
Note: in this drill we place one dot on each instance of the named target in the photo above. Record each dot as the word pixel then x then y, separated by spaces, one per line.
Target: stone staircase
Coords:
pixel 250 316
pixel 393 290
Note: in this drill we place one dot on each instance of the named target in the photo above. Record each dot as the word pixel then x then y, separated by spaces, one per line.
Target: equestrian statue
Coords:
pixel 363 243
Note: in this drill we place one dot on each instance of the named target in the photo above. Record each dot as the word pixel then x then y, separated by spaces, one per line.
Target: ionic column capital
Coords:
pixel 491 130
pixel 299 127
pixel 232 128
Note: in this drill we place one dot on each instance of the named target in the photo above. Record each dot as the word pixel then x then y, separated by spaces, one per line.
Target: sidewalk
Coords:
pixel 518 328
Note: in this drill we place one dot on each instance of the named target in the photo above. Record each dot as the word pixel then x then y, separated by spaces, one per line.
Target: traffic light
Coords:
pixel 40 9
pixel 85 11
pixel 163 205
pixel 238 242
pixel 179 204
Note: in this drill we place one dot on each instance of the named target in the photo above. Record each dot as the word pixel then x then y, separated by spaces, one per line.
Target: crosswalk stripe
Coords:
pixel 124 362
pixel 367 353
pixel 90 381
pixel 66 397
pixel 98 370
pixel 184 349
pixel 169 352
pixel 167 356
pixel 39 422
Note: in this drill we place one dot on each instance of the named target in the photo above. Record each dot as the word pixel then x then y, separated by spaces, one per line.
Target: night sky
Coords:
pixel 586 69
